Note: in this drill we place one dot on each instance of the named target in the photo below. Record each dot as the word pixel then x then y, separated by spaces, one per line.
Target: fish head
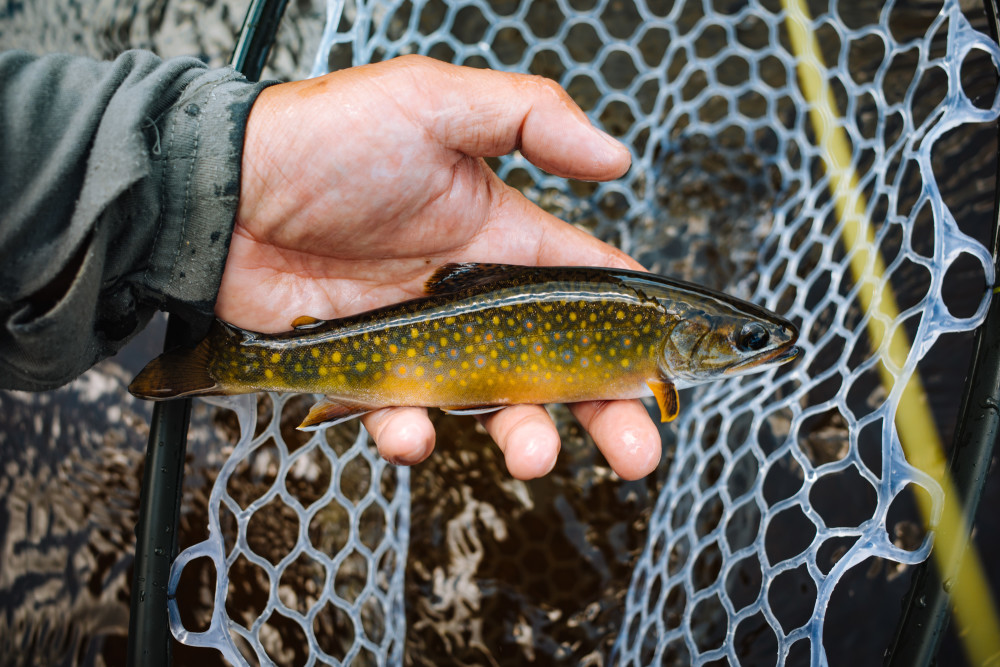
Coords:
pixel 712 336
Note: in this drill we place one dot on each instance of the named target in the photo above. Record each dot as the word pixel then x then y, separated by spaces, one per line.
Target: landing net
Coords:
pixel 733 185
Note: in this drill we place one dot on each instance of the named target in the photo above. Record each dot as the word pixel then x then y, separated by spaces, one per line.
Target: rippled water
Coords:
pixel 500 571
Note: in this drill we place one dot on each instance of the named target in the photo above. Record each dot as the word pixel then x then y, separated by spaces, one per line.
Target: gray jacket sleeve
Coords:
pixel 118 189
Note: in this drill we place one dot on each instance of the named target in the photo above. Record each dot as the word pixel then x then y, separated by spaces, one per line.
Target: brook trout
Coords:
pixel 489 335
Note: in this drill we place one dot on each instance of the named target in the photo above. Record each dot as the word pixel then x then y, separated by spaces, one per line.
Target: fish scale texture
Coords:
pixel 727 188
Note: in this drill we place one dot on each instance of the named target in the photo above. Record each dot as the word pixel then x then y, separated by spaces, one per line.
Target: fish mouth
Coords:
pixel 777 356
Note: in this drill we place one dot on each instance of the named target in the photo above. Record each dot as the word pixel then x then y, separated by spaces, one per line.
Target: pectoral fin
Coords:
pixel 328 412
pixel 666 397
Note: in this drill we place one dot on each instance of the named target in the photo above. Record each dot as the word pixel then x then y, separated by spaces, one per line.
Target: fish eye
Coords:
pixel 753 337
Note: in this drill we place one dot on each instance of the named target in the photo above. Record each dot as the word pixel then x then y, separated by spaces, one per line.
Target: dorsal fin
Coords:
pixel 306 322
pixel 454 277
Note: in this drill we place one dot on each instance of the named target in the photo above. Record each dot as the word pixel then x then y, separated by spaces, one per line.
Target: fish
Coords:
pixel 485 336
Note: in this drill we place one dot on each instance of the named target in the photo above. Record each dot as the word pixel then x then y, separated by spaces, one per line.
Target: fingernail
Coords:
pixel 408 460
pixel 608 139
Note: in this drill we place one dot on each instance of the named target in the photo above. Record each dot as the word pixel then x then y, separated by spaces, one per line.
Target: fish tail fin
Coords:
pixel 176 373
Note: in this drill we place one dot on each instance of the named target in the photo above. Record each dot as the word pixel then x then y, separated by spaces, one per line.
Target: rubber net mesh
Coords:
pixel 728 188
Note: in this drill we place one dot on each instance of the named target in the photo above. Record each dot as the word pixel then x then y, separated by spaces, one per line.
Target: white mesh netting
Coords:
pixel 751 532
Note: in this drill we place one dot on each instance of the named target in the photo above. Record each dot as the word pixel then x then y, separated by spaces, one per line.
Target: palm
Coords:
pixel 388 182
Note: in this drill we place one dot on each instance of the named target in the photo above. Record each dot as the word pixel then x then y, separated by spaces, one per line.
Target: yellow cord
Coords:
pixel 972 604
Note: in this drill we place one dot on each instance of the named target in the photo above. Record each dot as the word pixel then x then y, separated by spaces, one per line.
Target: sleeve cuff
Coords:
pixel 198 149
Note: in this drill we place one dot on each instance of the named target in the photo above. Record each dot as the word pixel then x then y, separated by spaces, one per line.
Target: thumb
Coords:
pixel 486 113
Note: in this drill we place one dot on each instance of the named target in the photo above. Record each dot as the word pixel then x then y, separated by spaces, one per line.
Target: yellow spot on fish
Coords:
pixel 449 320
pixel 593 317
pixel 439 378
pixel 496 320
pixel 443 341
pixel 504 363
pixel 625 363
pixel 465 365
pixel 469 349
pixel 341 378
pixel 638 318
pixel 298 368
pixel 315 352
pixel 357 345
pixel 452 372
pixel 414 333
pixel 458 336
pixel 275 358
pixel 336 357
pixel 376 357
pixel 411 352
pixel 361 366
pixel 418 371
pixel 322 370
pixel 572 317
pixel 268 373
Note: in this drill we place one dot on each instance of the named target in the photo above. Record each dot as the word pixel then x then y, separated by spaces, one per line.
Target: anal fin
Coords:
pixel 327 412
pixel 474 410
pixel 666 397
pixel 306 322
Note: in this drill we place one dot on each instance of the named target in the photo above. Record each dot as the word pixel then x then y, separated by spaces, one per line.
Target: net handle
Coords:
pixel 149 640
pixel 926 606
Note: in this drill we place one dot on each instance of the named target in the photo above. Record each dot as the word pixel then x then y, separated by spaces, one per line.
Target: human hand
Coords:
pixel 357 184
